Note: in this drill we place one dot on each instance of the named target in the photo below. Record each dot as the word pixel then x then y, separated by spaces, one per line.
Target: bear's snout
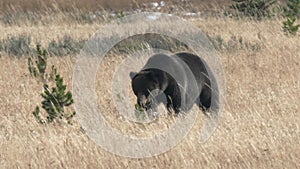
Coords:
pixel 142 100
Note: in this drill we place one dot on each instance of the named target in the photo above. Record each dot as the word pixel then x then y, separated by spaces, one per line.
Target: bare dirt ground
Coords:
pixel 258 129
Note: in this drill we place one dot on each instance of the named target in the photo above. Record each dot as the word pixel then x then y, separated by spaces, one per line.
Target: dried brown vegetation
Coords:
pixel 258 129
pixel 93 5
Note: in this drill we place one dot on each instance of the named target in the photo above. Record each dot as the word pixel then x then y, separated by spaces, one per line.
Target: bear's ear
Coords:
pixel 132 74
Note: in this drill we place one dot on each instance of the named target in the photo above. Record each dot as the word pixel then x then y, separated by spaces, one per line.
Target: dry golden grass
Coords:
pixel 259 128
pixel 46 34
pixel 92 5
pixel 44 12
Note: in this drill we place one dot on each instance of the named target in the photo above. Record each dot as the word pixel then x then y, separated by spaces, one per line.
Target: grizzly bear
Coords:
pixel 183 78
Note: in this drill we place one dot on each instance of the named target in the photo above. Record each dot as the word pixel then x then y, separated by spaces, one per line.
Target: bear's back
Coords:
pixel 197 66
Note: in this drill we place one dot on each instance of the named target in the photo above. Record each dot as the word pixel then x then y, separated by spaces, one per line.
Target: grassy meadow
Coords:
pixel 259 128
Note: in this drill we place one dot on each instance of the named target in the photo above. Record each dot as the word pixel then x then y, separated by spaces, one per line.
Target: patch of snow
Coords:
pixel 190 14
pixel 154 4
pixel 154 16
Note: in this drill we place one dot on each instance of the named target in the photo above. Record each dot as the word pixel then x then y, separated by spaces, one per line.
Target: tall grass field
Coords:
pixel 260 125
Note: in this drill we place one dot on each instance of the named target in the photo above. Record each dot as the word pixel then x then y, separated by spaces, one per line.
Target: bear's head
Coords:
pixel 147 85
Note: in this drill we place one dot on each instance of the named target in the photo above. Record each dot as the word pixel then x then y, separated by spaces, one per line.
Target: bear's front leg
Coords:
pixel 173 98
pixel 174 102
pixel 170 106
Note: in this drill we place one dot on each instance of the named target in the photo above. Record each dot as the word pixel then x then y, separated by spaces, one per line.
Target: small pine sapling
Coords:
pixel 292 11
pixel 39 69
pixel 56 99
